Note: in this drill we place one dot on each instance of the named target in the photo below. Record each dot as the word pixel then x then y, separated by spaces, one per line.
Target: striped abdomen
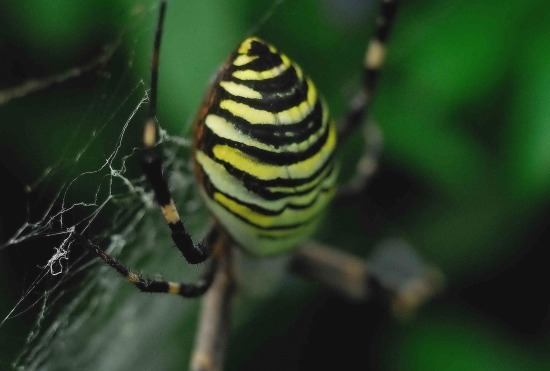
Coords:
pixel 264 150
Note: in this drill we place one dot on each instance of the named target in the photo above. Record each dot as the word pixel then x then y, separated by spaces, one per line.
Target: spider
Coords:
pixel 264 155
pixel 264 158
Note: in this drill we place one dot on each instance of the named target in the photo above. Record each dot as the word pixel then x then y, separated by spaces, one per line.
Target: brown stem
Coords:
pixel 211 339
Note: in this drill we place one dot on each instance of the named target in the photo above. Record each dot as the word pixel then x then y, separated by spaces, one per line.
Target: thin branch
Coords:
pixel 35 85
pixel 211 339
pixel 394 268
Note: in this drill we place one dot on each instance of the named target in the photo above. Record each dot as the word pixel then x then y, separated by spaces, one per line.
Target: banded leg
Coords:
pixel 188 290
pixel 374 60
pixel 151 162
pixel 366 166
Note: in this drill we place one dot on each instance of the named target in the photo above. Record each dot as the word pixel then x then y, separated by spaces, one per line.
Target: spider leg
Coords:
pixel 394 274
pixel 188 290
pixel 152 167
pixel 358 108
pixel 374 60
pixel 151 162
pixel 366 166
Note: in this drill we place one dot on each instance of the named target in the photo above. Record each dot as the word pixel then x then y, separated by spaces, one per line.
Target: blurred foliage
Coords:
pixel 465 174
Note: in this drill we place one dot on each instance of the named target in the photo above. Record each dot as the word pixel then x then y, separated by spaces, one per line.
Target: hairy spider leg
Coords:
pixel 373 62
pixel 151 162
pixel 188 290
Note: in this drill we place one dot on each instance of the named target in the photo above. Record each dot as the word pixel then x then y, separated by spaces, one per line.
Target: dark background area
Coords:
pixel 464 177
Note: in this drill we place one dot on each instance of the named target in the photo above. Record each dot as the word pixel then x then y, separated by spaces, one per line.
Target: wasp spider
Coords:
pixel 263 152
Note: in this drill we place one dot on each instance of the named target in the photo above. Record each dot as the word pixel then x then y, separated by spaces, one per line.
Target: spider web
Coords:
pixel 79 301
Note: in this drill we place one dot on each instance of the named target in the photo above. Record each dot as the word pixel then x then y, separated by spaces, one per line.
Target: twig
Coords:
pixel 394 268
pixel 211 339
pixel 34 85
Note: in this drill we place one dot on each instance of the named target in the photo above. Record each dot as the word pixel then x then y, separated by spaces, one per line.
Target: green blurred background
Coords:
pixel 464 177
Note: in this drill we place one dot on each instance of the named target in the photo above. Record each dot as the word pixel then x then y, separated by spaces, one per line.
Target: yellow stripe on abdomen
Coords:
pixel 266 173
pixel 262 171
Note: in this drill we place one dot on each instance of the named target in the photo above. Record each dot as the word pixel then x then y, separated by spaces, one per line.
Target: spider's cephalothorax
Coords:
pixel 264 150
